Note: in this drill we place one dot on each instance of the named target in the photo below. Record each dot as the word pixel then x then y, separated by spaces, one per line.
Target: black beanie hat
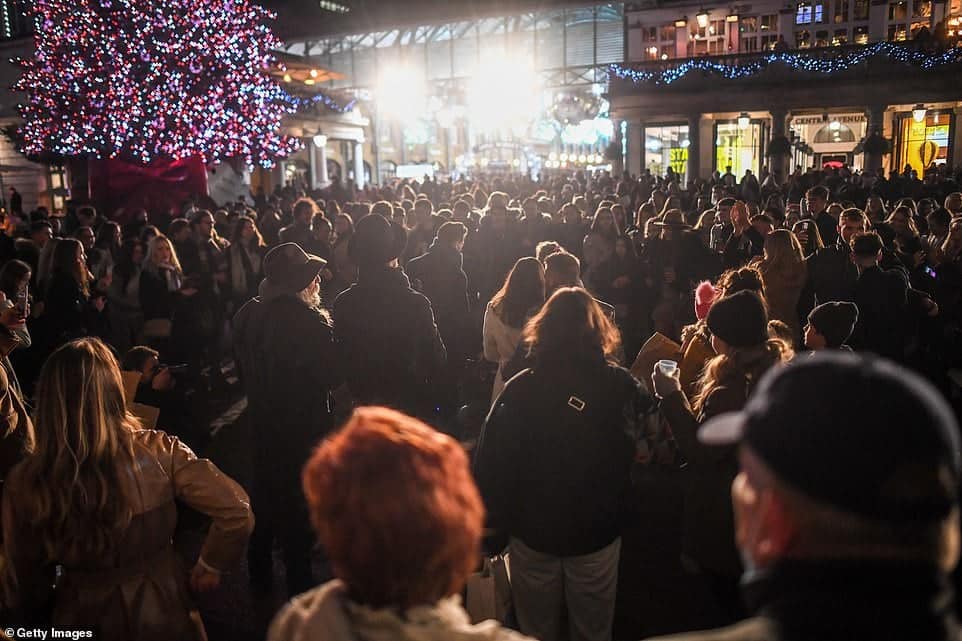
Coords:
pixel 375 241
pixel 740 320
pixel 835 321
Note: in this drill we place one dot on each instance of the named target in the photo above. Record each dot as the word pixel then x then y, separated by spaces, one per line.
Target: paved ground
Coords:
pixel 655 596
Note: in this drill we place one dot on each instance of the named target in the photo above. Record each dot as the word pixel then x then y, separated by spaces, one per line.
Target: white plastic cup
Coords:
pixel 668 367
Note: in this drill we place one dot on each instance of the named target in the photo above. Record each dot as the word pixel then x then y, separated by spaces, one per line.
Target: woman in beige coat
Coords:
pixel 92 509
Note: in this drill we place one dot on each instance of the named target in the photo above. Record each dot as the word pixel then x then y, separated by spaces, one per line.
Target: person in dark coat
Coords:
pixel 71 308
pixel 745 242
pixel 387 340
pixel 846 533
pixel 284 345
pixel 817 200
pixel 300 231
pixel 553 466
pixel 739 328
pixel 438 275
pixel 831 273
pixel 494 250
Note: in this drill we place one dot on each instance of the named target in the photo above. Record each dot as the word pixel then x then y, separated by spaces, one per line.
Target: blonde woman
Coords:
pixel 783 271
pixel 161 282
pixel 94 506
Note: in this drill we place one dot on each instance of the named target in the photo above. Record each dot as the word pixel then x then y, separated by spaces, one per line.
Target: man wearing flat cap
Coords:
pixel 846 510
pixel 284 345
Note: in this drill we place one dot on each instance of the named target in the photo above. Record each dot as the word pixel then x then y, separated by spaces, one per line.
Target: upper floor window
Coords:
pixel 898 11
pixel 841 11
pixel 860 10
pixel 769 22
pixel 808 13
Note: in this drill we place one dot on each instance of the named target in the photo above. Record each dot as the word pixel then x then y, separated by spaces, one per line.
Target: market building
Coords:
pixel 870 84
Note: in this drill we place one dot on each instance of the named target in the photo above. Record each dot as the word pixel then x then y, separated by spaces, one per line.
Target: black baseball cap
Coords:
pixel 856 432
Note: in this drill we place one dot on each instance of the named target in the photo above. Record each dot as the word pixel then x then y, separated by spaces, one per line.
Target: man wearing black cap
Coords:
pixel 385 333
pixel 846 534
pixel 284 346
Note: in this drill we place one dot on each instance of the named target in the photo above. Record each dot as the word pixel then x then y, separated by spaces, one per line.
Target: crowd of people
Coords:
pixel 513 316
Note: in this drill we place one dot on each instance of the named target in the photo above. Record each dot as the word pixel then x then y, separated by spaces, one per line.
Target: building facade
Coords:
pixel 869 84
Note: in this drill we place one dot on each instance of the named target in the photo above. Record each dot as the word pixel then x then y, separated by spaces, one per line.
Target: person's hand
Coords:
pixel 163 380
pixel 621 282
pixel 11 318
pixel 100 302
pixel 664 384
pixel 203 580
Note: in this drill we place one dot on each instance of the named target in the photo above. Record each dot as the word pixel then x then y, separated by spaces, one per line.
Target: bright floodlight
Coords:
pixel 504 94
pixel 401 93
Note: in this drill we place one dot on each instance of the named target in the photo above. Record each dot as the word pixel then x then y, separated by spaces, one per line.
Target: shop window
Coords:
pixel 840 38
pixel 841 11
pixel 768 42
pixel 897 33
pixel 769 22
pixel 821 38
pixel 860 35
pixel 649 34
pixel 860 10
pixel 667 33
pixel 749 24
pixel 926 143
pixel 917 26
pixel 922 9
pixel 667 146
pixel 898 11
pixel 750 45
pixel 738 148
pixel 716 28
pixel 667 51
pixel 803 39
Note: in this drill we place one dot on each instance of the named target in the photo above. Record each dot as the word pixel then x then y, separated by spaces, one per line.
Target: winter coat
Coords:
pixel 782 291
pixel 882 300
pixel 438 275
pixel 553 461
pixel 500 342
pixel 137 590
pixel 387 342
pixel 288 366
pixel 327 613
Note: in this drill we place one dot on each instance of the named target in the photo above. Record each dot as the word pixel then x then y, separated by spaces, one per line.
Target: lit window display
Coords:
pixel 667 146
pixel 922 144
pixel 738 148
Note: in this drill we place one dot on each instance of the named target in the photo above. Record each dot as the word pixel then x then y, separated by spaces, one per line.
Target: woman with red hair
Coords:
pixel 400 518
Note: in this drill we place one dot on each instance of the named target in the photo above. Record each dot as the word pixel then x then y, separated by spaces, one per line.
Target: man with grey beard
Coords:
pixel 284 347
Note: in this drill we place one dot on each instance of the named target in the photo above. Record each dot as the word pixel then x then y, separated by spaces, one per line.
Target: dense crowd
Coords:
pixel 521 319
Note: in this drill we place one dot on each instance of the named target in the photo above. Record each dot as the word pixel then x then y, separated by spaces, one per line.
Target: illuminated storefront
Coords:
pixel 739 147
pixel 667 146
pixel 922 143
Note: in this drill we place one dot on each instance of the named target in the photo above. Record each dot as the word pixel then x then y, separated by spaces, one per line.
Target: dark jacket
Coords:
pixel 882 299
pixel 69 314
pixel 387 342
pixel 843 601
pixel 827 227
pixel 156 299
pixel 739 250
pixel 554 458
pixel 297 233
pixel 492 254
pixel 439 276
pixel 831 277
pixel 708 530
pixel 285 353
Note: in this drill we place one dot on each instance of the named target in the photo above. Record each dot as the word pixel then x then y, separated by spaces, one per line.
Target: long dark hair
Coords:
pixel 65 261
pixel 523 290
pixel 571 325
pixel 10 277
pixel 125 268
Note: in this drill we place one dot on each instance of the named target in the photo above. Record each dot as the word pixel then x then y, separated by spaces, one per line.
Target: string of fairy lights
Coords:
pixel 148 79
pixel 806 62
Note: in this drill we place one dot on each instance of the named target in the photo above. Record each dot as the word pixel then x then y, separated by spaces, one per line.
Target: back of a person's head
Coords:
pixel 82 431
pixel 396 509
pixel 565 268
pixel 571 325
pixel 545 248
pixel 450 233
pixel 522 291
pixel 866 245
pixel 740 280
pixel 137 356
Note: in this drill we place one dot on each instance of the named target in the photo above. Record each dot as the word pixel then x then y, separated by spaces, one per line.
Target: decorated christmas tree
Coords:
pixel 153 80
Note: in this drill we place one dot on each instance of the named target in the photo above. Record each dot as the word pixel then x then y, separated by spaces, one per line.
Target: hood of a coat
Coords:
pixel 325 612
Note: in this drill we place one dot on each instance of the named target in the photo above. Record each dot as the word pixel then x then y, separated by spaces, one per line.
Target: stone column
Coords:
pixel 320 147
pixel 311 165
pixel 618 162
pixel 779 147
pixel 359 164
pixel 872 160
pixel 694 147
pixel 635 161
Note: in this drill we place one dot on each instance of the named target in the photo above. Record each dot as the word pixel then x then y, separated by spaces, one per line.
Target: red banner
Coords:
pixel 116 184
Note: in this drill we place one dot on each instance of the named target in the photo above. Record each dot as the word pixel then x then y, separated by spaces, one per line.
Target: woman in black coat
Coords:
pixel 72 309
